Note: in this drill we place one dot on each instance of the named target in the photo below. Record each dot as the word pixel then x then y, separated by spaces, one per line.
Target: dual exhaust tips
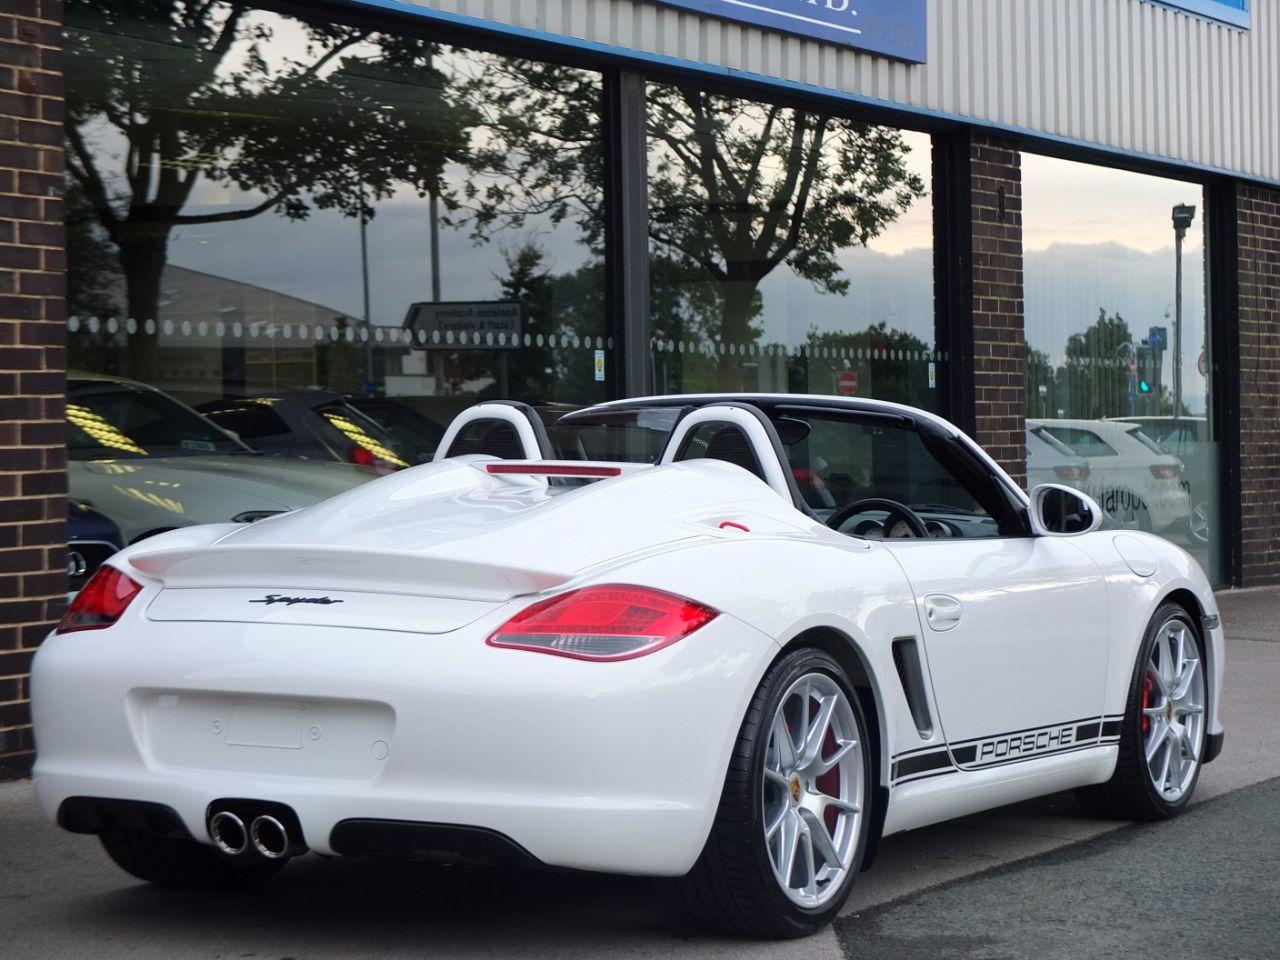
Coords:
pixel 265 834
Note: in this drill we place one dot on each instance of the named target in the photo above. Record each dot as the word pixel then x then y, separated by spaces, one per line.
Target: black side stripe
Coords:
pixel 1088 731
pixel 907 753
pixel 922 763
pixel 965 754
pixel 925 776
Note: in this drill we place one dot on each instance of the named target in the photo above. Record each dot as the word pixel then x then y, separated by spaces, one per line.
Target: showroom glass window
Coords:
pixel 790 250
pixel 268 213
pixel 1117 361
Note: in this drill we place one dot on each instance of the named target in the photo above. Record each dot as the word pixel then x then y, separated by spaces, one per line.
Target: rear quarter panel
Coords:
pixel 785 586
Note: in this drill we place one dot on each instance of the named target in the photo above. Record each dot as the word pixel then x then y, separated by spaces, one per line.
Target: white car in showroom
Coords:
pixel 1137 483
pixel 680 668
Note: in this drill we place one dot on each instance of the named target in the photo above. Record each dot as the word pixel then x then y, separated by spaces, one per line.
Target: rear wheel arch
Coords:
pixel 845 651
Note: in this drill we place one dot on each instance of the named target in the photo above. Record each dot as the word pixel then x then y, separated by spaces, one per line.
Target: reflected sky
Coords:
pixel 1096 238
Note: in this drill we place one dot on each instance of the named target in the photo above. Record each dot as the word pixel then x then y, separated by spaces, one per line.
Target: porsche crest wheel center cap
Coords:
pixel 795 789
pixel 1168 710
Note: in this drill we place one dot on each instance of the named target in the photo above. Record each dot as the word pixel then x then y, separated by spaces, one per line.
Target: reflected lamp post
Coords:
pixel 1183 215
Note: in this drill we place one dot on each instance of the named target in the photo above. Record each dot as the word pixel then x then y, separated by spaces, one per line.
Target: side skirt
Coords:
pixel 958 792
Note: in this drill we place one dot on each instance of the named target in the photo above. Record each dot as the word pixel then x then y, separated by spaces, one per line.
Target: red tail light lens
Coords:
pixel 1166 471
pixel 603 623
pixel 1072 471
pixel 102 601
pixel 361 456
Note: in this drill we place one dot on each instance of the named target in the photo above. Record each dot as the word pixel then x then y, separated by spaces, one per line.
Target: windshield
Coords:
pixel 630 436
pixel 364 433
pixel 1045 437
pixel 414 435
pixel 1138 434
pixel 110 420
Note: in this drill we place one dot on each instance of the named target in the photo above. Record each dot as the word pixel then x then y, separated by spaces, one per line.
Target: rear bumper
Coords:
pixel 597 766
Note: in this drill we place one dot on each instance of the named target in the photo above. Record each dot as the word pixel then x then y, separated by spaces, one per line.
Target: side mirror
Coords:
pixel 1058 511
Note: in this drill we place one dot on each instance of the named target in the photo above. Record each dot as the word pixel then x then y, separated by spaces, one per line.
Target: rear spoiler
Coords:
pixel 313 566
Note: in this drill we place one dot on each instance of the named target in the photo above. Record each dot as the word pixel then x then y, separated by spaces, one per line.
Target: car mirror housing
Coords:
pixel 1060 511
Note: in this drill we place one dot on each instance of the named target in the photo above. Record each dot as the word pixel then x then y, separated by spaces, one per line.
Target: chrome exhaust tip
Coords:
pixel 228 833
pixel 269 837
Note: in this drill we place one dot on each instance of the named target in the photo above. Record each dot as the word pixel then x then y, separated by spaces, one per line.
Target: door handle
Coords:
pixel 942 612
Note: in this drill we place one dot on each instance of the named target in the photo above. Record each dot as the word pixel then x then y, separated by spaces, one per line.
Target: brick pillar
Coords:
pixel 994 301
pixel 1258 278
pixel 33 476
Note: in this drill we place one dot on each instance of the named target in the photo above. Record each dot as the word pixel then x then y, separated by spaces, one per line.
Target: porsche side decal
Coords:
pixel 998 749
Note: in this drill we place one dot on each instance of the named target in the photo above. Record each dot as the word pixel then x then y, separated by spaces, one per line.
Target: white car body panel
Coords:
pixel 385 702
pixel 1032 634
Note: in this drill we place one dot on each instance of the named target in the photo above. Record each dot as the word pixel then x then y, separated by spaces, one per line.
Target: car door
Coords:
pixel 1015 632
pixel 1015 626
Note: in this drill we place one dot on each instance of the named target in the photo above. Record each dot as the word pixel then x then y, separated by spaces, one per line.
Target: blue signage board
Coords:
pixel 895 28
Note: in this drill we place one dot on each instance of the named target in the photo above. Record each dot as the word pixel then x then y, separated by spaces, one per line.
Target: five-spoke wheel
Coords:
pixel 812 789
pixel 1173 691
pixel 1162 735
pixel 794 817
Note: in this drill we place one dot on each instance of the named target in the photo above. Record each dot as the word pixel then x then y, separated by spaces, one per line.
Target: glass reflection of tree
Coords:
pixel 196 92
pixel 1094 380
pixel 891 361
pixel 739 188
pixel 558 308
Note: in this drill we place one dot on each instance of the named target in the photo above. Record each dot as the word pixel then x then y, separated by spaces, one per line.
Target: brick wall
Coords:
pixel 1258 272
pixel 33 480
pixel 995 294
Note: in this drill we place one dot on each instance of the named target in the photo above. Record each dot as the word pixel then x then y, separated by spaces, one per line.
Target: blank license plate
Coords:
pixel 252 726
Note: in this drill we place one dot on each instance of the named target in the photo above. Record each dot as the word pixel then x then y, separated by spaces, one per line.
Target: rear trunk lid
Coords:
pixel 435 547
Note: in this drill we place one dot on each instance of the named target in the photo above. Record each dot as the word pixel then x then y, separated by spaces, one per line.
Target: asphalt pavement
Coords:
pixel 1038 879
pixel 1206 885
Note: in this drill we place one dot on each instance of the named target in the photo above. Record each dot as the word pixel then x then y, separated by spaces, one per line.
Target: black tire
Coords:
pixel 1130 794
pixel 173 862
pixel 731 888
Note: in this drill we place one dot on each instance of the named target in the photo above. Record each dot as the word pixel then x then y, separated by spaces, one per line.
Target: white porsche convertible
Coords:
pixel 730 639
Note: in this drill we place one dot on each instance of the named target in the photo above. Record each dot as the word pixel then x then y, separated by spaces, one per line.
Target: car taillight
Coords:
pixel 1166 471
pixel 603 623
pixel 1072 471
pixel 102 601
pixel 361 456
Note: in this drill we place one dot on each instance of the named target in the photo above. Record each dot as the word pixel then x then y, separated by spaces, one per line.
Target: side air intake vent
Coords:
pixel 906 658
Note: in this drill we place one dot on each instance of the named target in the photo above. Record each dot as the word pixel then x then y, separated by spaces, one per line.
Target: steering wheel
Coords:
pixel 892 507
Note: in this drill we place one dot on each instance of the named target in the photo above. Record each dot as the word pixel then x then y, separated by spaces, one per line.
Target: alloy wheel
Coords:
pixel 1199 522
pixel 1173 702
pixel 813 790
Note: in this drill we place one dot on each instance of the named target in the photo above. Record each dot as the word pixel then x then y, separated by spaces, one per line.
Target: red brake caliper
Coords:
pixel 829 782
